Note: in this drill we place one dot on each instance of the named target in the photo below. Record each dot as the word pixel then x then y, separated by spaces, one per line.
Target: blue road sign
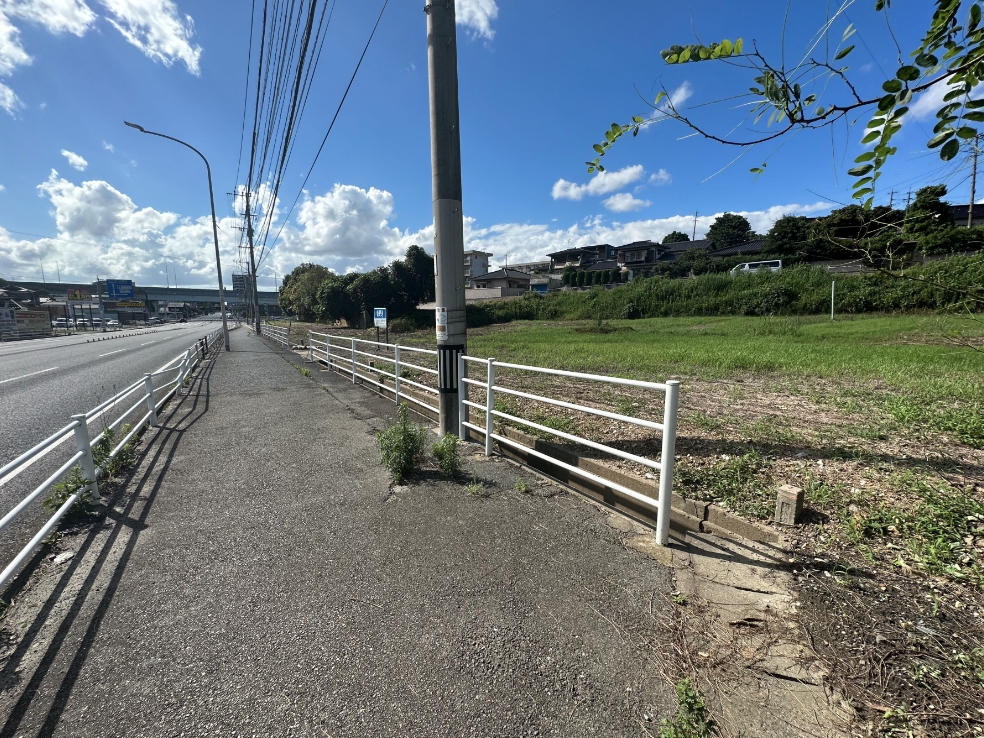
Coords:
pixel 379 315
pixel 119 289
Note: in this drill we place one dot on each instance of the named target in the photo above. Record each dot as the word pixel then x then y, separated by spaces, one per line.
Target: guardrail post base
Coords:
pixel 489 408
pixel 87 463
pixel 666 459
pixel 151 406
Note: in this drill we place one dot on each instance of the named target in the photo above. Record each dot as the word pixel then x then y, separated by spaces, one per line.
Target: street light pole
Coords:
pixel 215 226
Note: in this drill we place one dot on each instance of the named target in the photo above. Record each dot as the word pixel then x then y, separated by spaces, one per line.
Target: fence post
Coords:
pixel 151 406
pixel 82 444
pixel 489 407
pixel 353 361
pixel 288 334
pixel 310 348
pixel 462 395
pixel 666 459
pixel 396 373
pixel 328 351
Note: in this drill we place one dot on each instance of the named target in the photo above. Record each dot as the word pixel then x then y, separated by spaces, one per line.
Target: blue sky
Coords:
pixel 539 84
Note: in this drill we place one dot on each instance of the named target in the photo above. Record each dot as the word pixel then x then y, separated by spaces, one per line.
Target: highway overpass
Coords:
pixel 58 291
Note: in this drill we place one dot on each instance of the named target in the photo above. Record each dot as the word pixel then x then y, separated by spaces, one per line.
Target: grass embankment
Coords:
pixel 798 290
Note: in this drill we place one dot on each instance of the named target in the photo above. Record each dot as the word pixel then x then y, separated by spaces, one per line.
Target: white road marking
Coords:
pixel 22 376
pixel 147 343
pixel 112 352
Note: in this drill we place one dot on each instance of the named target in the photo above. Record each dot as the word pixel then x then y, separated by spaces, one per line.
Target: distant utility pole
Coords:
pixel 449 239
pixel 973 185
pixel 891 199
pixel 908 196
pixel 694 237
pixel 252 264
pixel 43 280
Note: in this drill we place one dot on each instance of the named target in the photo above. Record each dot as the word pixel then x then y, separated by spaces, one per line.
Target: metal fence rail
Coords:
pixel 277 332
pixel 150 397
pixel 374 362
pixel 667 428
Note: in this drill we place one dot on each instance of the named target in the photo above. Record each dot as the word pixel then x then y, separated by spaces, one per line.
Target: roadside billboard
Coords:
pixel 78 295
pixel 119 289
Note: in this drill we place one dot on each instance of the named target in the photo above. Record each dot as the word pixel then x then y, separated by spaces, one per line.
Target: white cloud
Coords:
pixel 346 228
pixel 58 16
pixel 600 184
pixel 75 160
pixel 157 29
pixel 660 178
pixel 153 26
pixel 109 147
pixel 477 15
pixel 928 102
pixel 2 188
pixel 623 202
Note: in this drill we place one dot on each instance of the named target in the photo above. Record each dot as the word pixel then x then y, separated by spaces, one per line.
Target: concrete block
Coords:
pixel 721 522
pixel 789 505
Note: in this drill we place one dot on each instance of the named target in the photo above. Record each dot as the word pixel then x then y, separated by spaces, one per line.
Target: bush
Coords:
pixel 401 446
pixel 446 454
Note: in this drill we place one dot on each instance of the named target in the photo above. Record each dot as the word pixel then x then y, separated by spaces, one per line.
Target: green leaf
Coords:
pixel 892 85
pixel 810 99
pixel 966 132
pixel 875 122
pixel 635 131
pixel 704 53
pixel 975 17
pixel 866 156
pixel 848 32
pixel 899 112
pixel 886 103
pixel 862 182
pixel 844 52
pixel 591 170
pixel 861 170
pixel 908 73
pixel 953 94
pixel 685 55
pixel 637 119
pixel 871 137
pixel 976 117
pixel 756 170
pixel 659 97
pixel 819 110
pixel 927 60
pixel 670 58
pixel 725 47
pixel 862 193
pixel 739 45
pixel 940 138
pixel 599 148
pixel 950 149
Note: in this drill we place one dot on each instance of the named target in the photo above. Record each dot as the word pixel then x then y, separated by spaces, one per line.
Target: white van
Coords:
pixel 754 266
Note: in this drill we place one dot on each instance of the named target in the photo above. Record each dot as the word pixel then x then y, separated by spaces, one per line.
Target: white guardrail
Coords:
pixel 277 332
pixel 350 355
pixel 145 393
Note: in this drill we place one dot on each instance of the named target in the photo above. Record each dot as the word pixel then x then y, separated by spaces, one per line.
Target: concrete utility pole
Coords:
pixel 973 186
pixel 252 264
pixel 449 239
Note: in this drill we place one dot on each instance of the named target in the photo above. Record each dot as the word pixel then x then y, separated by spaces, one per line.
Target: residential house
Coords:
pixel 509 279
pixel 581 257
pixel 749 248
pixel 532 267
pixel 476 264
pixel 960 215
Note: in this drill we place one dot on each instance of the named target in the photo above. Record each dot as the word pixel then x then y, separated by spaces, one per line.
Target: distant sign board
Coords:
pixel 119 289
pixel 379 316
pixel 78 295
pixel 129 304
pixel 239 283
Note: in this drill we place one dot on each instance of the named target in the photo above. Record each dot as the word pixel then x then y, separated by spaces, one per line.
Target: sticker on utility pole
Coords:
pixel 379 315
pixel 442 324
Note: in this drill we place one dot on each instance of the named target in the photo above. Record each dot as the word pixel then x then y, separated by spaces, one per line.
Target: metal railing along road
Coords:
pixel 670 389
pixel 361 359
pixel 147 397
pixel 277 332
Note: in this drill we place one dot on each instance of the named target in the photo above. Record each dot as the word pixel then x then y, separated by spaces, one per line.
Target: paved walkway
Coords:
pixel 258 576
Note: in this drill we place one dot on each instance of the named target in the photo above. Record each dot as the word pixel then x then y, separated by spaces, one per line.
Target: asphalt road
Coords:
pixel 45 381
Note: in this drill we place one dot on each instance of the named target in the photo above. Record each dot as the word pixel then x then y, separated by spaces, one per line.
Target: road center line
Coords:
pixel 22 376
pixel 112 352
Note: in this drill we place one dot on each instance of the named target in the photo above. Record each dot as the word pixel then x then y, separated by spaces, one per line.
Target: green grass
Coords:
pixel 905 368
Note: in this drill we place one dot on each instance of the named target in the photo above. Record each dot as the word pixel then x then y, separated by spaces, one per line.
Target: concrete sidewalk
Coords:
pixel 259 577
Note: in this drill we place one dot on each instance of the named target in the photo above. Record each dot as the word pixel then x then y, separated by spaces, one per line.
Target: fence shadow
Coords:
pixel 151 466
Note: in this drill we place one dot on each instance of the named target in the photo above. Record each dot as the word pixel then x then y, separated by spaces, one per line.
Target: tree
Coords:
pixel 372 290
pixel 335 301
pixel 815 91
pixel 581 277
pixel 299 293
pixel 729 229
pixel 928 214
pixel 675 237
pixel 788 236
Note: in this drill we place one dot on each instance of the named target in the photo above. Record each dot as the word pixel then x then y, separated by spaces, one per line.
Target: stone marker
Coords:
pixel 789 505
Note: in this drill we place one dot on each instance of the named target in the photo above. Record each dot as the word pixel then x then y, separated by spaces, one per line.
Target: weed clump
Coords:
pixel 692 719
pixel 63 491
pixel 447 457
pixel 401 446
